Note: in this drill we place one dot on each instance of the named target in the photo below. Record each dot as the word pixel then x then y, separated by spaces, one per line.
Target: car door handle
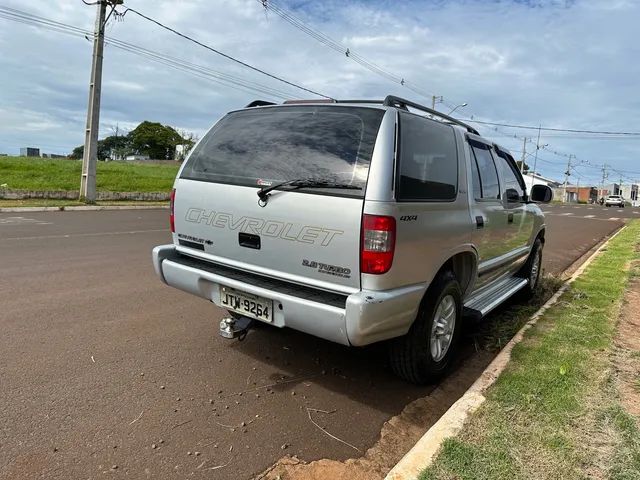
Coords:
pixel 479 221
pixel 510 218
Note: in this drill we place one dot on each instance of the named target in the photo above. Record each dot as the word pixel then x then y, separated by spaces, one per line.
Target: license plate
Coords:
pixel 247 304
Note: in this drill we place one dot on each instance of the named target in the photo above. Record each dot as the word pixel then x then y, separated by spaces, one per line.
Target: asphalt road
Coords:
pixel 106 371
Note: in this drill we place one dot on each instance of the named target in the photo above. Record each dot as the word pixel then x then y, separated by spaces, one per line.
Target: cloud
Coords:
pixel 556 63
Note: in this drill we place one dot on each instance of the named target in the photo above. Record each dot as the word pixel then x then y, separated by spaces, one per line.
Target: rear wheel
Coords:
pixel 427 350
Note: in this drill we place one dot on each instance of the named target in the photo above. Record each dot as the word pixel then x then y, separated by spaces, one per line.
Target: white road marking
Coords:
pixel 620 210
pixel 71 235
pixel 566 214
pixel 614 218
pixel 22 221
pixel 589 216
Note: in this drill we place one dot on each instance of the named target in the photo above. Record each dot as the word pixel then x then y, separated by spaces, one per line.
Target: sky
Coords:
pixel 560 64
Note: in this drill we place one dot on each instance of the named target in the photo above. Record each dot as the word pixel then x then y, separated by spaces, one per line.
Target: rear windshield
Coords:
pixel 264 146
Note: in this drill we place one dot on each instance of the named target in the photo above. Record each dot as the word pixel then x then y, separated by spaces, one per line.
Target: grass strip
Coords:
pixel 63 174
pixel 38 202
pixel 555 412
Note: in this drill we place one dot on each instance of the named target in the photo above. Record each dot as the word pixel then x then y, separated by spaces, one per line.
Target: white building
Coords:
pixel 629 192
pixel 531 179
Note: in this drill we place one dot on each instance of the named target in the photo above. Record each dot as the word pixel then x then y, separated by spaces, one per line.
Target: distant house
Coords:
pixel 29 152
pixel 136 157
pixel 576 194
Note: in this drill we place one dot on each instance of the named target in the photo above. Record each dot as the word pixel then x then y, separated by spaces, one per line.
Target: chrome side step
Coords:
pixel 486 300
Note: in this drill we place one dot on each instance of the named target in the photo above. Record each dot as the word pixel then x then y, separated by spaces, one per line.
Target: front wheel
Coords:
pixel 532 269
pixel 427 350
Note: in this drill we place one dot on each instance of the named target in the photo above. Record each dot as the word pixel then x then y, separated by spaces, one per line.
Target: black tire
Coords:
pixel 527 270
pixel 411 356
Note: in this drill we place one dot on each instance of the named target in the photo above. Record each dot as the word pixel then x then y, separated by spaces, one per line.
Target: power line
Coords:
pixel 218 52
pixel 550 129
pixel 200 71
pixel 271 5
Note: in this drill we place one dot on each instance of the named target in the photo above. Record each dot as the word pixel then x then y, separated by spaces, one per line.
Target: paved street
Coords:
pixel 106 371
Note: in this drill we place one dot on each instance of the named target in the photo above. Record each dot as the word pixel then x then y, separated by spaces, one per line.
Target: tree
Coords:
pixel 105 147
pixel 114 147
pixel 148 138
pixel 154 139
pixel 77 153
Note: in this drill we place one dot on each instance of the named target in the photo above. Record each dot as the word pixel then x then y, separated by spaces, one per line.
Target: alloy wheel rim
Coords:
pixel 444 322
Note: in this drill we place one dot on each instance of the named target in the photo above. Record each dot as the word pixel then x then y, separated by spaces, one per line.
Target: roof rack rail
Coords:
pixel 393 101
pixel 312 100
pixel 259 103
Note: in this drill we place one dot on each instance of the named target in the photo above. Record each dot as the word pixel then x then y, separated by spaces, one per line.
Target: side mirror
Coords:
pixel 512 195
pixel 541 194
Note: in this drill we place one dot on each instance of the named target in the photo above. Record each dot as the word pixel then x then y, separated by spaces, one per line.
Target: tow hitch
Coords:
pixel 231 327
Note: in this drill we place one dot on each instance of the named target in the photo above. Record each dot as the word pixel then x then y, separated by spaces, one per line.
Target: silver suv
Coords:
pixel 355 221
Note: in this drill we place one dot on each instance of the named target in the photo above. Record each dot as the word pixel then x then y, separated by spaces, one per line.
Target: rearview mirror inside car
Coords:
pixel 541 194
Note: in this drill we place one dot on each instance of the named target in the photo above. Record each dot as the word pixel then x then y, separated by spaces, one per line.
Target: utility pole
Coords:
pixel 604 177
pixel 566 179
pixel 435 98
pixel 90 155
pixel 524 154
pixel 535 160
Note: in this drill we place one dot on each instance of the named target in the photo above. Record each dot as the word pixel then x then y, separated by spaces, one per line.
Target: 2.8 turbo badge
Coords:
pixel 327 269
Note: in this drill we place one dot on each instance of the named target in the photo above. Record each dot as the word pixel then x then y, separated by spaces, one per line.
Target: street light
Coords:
pixel 457 107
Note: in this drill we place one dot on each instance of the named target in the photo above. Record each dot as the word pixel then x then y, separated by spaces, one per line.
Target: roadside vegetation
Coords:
pixel 556 411
pixel 62 174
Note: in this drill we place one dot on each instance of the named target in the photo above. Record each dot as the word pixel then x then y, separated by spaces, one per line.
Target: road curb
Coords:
pixel 80 208
pixel 452 422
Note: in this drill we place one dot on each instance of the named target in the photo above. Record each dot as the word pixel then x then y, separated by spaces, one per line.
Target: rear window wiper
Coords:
pixel 263 193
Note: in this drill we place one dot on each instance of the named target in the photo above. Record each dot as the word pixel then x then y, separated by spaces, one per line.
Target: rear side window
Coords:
pixel 263 146
pixel 428 169
pixel 488 181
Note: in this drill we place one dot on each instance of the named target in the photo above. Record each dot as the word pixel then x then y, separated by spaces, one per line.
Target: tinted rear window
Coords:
pixel 269 145
pixel 428 160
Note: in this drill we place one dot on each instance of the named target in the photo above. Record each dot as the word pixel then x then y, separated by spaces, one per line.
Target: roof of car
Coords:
pixel 390 101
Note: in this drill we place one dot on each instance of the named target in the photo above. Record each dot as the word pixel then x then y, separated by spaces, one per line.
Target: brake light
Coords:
pixel 378 243
pixel 172 219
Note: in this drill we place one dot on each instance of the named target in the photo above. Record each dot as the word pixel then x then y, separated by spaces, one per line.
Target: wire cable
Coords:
pixel 218 52
pixel 200 71
pixel 271 5
pixel 551 129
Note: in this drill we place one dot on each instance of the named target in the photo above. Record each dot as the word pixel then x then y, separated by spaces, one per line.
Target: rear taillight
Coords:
pixel 378 243
pixel 172 218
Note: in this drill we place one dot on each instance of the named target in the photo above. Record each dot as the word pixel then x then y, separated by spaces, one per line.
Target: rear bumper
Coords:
pixel 362 318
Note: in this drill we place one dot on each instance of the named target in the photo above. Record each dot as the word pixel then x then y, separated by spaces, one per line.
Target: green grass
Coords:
pixel 38 202
pixel 62 174
pixel 554 412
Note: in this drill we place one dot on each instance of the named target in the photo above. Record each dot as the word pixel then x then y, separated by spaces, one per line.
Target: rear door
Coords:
pixel 306 235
